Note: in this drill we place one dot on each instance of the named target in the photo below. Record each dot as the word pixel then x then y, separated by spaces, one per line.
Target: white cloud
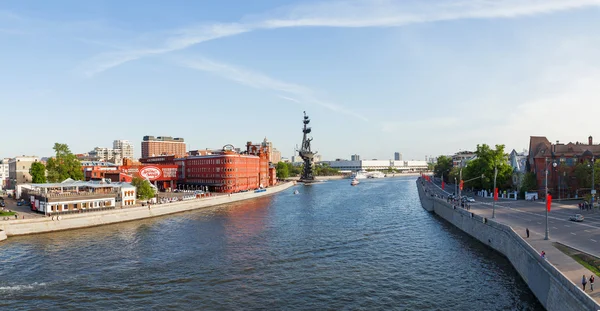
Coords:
pixel 359 13
pixel 294 92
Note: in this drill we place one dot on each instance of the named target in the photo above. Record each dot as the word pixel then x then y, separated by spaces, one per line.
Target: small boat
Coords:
pixel 354 182
pixel 296 191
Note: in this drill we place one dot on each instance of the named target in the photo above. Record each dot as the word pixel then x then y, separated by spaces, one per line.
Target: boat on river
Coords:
pixel 354 182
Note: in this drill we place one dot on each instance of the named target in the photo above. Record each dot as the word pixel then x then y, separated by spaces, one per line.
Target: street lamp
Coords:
pixel 494 200
pixel 546 237
pixel 593 189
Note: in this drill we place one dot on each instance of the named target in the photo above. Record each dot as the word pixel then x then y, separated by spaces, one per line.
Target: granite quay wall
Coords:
pixel 550 286
pixel 74 221
pixel 2 235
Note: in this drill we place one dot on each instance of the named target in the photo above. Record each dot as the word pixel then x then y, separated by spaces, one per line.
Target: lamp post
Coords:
pixel 455 186
pixel 494 201
pixel 593 189
pixel 460 190
pixel 547 236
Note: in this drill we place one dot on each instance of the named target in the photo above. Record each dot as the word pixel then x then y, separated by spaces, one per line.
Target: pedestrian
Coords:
pixel 16 217
pixel 543 255
pixel 583 282
pixel 527 231
pixel 592 282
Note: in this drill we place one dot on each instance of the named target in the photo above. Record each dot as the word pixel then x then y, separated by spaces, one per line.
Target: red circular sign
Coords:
pixel 150 172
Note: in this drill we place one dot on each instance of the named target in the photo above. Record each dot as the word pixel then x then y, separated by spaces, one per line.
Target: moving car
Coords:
pixel 576 217
pixel 470 199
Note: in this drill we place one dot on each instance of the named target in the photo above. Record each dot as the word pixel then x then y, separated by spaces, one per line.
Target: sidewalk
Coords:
pixel 565 264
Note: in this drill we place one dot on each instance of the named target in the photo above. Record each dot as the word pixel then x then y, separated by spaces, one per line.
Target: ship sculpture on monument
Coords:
pixel 306 154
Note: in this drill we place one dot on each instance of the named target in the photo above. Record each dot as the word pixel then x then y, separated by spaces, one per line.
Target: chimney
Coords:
pixel 590 140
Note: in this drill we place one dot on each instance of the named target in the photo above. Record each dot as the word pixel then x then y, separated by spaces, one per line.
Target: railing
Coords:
pixel 80 211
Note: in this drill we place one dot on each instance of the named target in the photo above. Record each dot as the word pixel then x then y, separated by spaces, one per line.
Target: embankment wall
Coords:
pixel 550 286
pixel 74 221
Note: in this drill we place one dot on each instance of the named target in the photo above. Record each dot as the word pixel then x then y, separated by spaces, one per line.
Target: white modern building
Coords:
pixel 4 173
pixel 76 196
pixel 400 166
pixel 125 147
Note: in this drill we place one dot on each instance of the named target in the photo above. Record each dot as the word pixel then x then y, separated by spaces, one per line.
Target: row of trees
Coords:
pixel 479 172
pixel 288 169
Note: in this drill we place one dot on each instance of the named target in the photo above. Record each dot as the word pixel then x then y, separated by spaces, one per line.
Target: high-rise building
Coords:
pixel 18 170
pixel 107 155
pixel 355 157
pixel 126 148
pixel 4 173
pixel 163 145
pixel 397 156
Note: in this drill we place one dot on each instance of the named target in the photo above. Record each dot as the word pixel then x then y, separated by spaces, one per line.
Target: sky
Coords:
pixel 425 77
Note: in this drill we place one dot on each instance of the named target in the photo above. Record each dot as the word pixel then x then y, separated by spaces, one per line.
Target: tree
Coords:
pixel 38 173
pixel 63 165
pixel 143 188
pixel 486 160
pixel 282 170
pixel 323 169
pixel 443 167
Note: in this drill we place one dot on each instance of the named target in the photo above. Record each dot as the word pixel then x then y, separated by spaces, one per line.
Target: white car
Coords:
pixel 470 199
pixel 576 217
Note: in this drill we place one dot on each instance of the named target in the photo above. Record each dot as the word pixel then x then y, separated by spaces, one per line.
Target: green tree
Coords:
pixel 143 188
pixel 529 182
pixel 443 167
pixel 323 169
pixel 294 170
pixel 63 165
pixel 282 170
pixel 38 173
pixel 486 160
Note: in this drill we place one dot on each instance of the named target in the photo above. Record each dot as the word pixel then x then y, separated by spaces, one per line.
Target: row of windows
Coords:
pixel 219 169
pixel 75 206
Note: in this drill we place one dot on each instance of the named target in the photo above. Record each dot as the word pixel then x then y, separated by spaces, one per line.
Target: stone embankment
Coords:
pixel 552 288
pixel 74 221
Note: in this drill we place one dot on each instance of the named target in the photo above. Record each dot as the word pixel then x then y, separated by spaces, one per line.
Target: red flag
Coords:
pixel 548 202
pixel 460 185
pixel 443 185
pixel 495 194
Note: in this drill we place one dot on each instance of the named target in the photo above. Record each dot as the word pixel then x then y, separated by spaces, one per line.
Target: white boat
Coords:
pixel 359 175
pixel 376 174
pixel 296 191
pixel 354 182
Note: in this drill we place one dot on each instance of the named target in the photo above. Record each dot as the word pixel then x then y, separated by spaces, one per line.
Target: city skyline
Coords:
pixel 423 78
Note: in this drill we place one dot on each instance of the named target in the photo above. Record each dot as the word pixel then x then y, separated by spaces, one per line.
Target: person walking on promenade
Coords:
pixel 527 231
pixel 583 282
pixel 592 282
pixel 543 255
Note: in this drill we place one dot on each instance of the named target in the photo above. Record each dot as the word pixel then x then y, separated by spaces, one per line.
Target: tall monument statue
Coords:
pixel 306 154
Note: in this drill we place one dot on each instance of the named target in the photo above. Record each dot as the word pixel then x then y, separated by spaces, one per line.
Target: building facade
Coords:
pixel 227 172
pixel 560 160
pixel 355 157
pixel 18 170
pixel 125 147
pixel 397 156
pixel 4 176
pixel 163 145
pixel 107 155
pixel 461 158
pixel 77 196
pixel 401 166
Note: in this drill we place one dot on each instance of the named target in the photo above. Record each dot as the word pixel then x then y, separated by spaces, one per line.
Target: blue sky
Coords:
pixel 418 77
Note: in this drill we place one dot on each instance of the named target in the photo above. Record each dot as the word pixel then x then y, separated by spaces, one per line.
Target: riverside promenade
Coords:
pixel 564 282
pixel 74 221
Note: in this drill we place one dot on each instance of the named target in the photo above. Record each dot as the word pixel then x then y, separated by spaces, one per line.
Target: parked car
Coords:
pixel 576 217
pixel 2 204
pixel 19 203
pixel 470 199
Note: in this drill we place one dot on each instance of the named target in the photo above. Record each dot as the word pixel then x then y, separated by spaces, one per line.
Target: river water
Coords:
pixel 332 246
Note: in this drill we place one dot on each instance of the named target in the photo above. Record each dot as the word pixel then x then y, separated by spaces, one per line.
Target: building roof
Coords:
pixel 78 183
pixel 541 147
pixel 97 163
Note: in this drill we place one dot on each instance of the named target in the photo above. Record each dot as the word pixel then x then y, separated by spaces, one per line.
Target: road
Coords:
pixel 523 214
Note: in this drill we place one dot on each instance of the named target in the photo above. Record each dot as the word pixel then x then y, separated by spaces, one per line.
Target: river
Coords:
pixel 332 246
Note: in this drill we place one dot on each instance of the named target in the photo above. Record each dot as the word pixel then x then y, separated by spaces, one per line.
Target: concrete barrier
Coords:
pixel 2 235
pixel 74 221
pixel 549 285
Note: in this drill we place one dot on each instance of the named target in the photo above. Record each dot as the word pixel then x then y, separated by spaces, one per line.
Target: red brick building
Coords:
pixel 561 180
pixel 163 145
pixel 164 176
pixel 227 172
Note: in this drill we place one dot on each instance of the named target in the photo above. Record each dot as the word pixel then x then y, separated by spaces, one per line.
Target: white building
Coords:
pixel 76 196
pixel 401 166
pixel 4 173
pixel 107 154
pixel 125 147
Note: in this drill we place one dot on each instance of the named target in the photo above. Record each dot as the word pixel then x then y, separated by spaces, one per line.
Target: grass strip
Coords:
pixel 591 263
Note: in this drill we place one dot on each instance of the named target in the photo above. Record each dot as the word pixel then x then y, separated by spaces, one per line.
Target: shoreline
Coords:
pixel 336 177
pixel 77 221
